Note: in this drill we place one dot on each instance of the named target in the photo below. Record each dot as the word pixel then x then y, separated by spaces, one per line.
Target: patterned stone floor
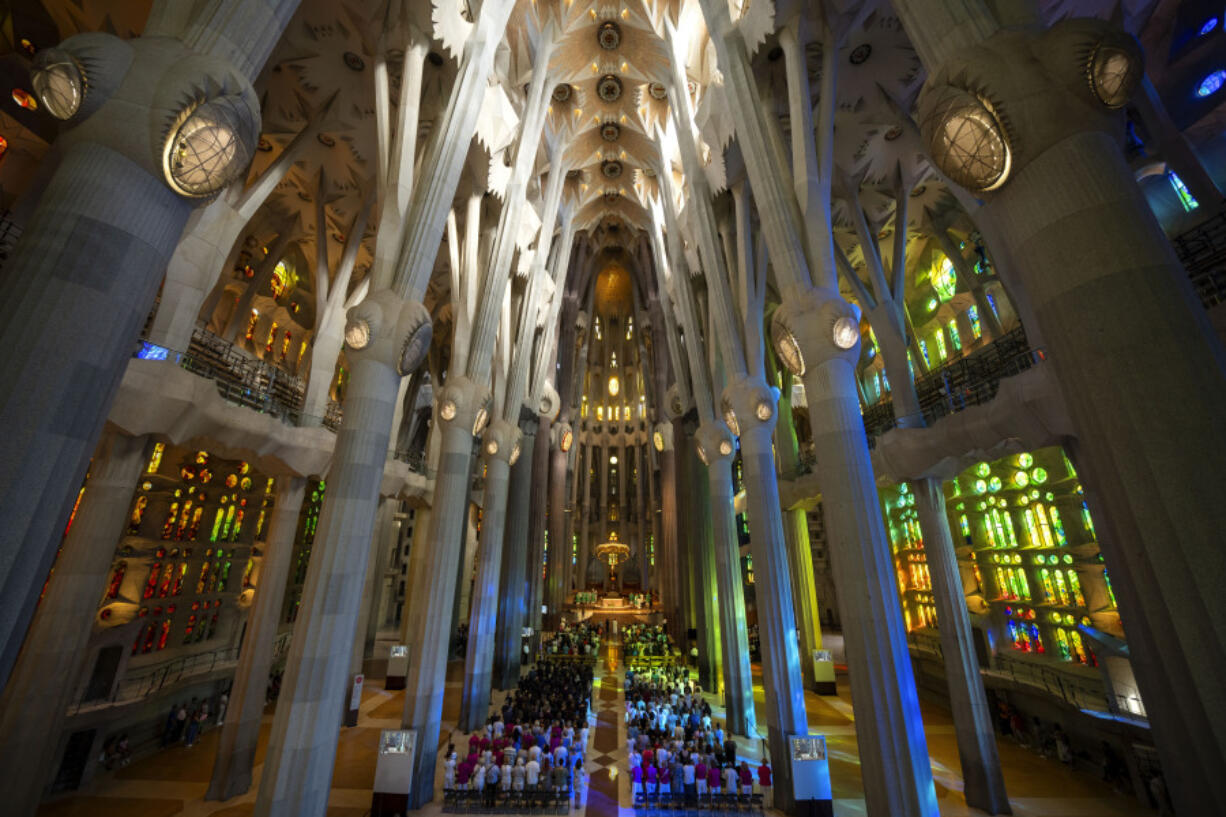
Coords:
pixel 172 783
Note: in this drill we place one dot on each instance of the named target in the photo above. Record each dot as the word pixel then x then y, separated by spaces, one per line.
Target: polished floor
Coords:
pixel 172 783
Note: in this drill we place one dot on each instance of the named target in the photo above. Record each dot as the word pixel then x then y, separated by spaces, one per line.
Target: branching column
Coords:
pixel 427 630
pixel 513 590
pixel 716 445
pixel 387 336
pixel 497 446
pixel 893 753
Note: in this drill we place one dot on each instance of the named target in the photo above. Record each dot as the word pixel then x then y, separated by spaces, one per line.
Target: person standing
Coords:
pixel 449 771
pixel 713 777
pixel 689 780
pixel 580 781
pixel 180 722
pixel 746 779
pixel 491 784
pixel 765 784
pixel 517 775
pixel 700 777
pixel 193 728
pixel 533 772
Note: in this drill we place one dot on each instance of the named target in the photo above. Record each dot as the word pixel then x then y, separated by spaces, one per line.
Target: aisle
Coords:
pixel 607 754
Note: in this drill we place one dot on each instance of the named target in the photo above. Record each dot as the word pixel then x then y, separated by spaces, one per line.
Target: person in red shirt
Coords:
pixel 746 778
pixel 764 783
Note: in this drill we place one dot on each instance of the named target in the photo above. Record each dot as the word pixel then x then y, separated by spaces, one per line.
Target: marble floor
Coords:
pixel 172 783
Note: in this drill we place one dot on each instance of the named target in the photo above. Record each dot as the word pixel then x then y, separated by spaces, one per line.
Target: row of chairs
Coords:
pixel 465 801
pixel 679 804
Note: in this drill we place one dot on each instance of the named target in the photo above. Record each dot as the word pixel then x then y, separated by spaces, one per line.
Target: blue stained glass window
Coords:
pixel 1186 198
pixel 1211 83
pixel 151 351
pixel 1209 25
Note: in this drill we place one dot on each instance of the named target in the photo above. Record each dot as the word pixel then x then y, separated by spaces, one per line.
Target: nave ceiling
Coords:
pixel 607 110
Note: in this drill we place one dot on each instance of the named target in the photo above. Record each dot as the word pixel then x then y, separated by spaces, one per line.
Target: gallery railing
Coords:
pixel 241 379
pixel 150 680
pixel 968 381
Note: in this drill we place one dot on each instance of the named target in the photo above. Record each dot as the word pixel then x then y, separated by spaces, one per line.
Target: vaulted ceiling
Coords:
pixel 607 97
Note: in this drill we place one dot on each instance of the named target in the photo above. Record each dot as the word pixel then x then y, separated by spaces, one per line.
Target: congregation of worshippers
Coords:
pixel 531 751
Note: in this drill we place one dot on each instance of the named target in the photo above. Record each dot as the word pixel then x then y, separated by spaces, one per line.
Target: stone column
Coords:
pixel 643 514
pixel 496 447
pixel 583 512
pixel 894 760
pixel 717 447
pixel 559 543
pixel 237 743
pixel 671 592
pixel 804 595
pixel 367 623
pixel 387 336
pixel 983 783
pixel 467 563
pixel 513 593
pixel 755 407
pixel 700 567
pixel 428 634
pixel 538 520
pixel 40 688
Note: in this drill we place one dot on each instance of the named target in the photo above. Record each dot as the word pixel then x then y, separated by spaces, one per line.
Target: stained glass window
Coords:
pixel 1181 190
pixel 944 280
